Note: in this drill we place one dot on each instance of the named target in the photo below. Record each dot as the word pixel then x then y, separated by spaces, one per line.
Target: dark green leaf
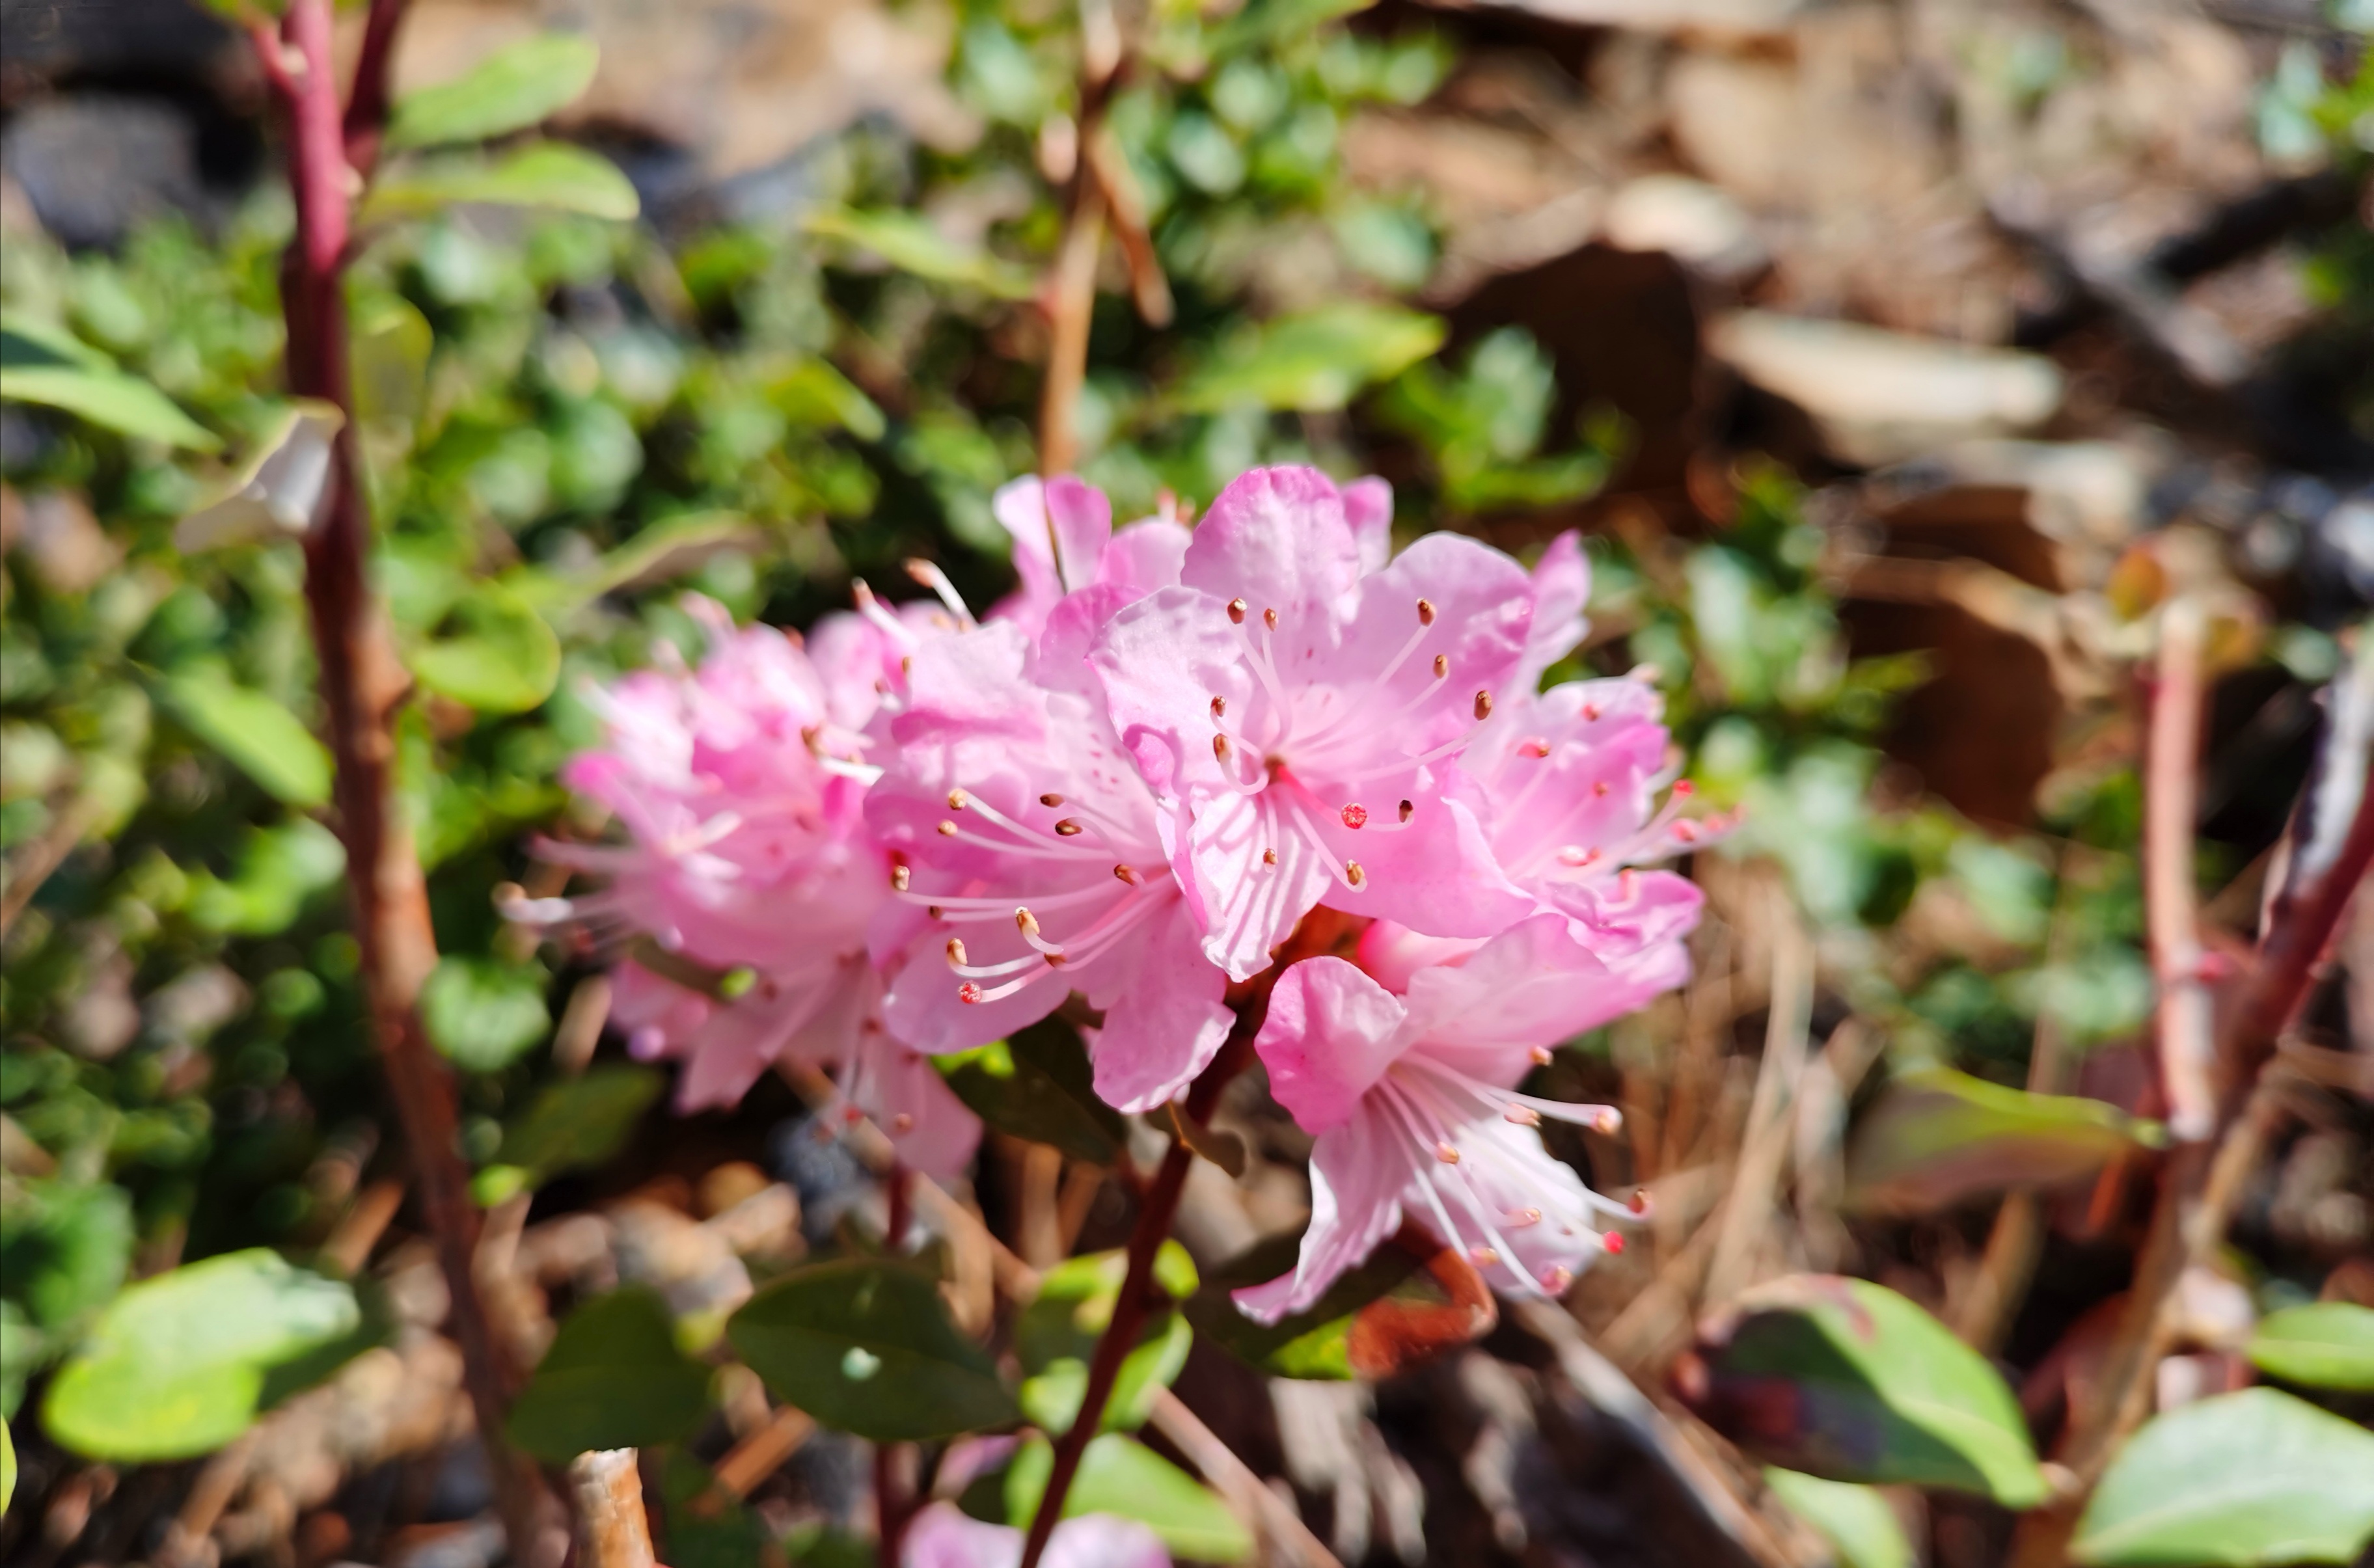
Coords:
pixel 580 1122
pixel 497 655
pixel 1846 1379
pixel 1313 362
pixel 483 1014
pixel 546 174
pixel 269 743
pixel 1037 1086
pixel 867 1346
pixel 2258 1476
pixel 2327 1344
pixel 1855 1519
pixel 1309 1345
pixel 278 870
pixel 1122 1476
pixel 511 89
pixel 614 1378
pixel 64 1249
pixel 178 1364
pixel 1937 1137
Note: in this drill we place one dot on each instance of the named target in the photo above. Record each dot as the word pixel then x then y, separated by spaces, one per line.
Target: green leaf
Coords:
pixel 2327 1344
pixel 2258 1476
pixel 481 1014
pixel 7 1467
pixel 865 1345
pixel 1122 1476
pixel 41 364
pixel 554 175
pixel 259 735
pixel 1937 1137
pixel 1314 361
pixel 1847 1380
pixel 580 1122
pixel 64 1246
pixel 1057 1334
pixel 1855 1519
pixel 511 89
pixel 614 1378
pixel 662 552
pixel 278 870
pixel 1037 1086
pixel 813 392
pixel 500 657
pixel 908 242
pixel 1313 1343
pixel 178 1366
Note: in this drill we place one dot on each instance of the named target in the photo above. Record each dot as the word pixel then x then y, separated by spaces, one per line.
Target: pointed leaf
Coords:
pixel 511 89
pixel 44 364
pixel 498 657
pixel 1855 1519
pixel 265 741
pixel 1037 1086
pixel 2327 1344
pixel 909 243
pixel 546 175
pixel 1938 1136
pixel 1122 1476
pixel 580 1122
pixel 1847 1380
pixel 7 1467
pixel 865 1345
pixel 1057 1335
pixel 2258 1476
pixel 1313 362
pixel 614 1378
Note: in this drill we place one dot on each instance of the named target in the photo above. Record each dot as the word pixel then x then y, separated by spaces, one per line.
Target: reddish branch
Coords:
pixel 362 685
pixel 2171 801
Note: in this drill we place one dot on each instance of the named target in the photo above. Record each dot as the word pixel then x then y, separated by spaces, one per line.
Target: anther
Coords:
pixel 1355 815
pixel 968 993
pixel 1219 707
pixel 1540 1054
pixel 1354 874
pixel 1408 808
pixel 1237 611
pixel 1685 832
pixel 900 877
pixel 948 830
pixel 1051 799
pixel 1517 1219
pixel 1025 922
pixel 1639 1203
pixel 1557 1278
pixel 1533 745
pixel 1220 747
pixel 1269 620
pixel 1590 713
pixel 1069 827
pixel 958 800
pixel 1441 665
pixel 1523 1115
pixel 906 663
pixel 1483 705
pixel 1576 855
pixel 1446 1153
pixel 956 951
pixel 1426 611
pixel 1483 1256
pixel 935 911
pixel 1600 789
pixel 1269 857
pixel 1126 875
pixel 1684 788
pixel 1608 1120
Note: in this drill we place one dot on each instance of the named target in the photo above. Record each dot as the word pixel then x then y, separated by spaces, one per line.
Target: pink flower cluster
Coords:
pixel 918 833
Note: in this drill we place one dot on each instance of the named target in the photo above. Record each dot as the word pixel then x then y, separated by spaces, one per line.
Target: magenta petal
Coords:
pixel 1250 905
pixel 1437 875
pixel 1330 1035
pixel 1357 1172
pixel 1277 538
pixel 1161 661
pixel 1168 1024
pixel 1532 984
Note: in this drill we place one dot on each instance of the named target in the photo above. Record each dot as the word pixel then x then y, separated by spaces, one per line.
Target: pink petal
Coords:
pixel 1532 984
pixel 1146 556
pixel 1249 905
pixel 1437 875
pixel 1368 508
pixel 1561 586
pixel 1278 538
pixel 1358 1173
pixel 1330 1035
pixel 1161 660
pixel 1167 1025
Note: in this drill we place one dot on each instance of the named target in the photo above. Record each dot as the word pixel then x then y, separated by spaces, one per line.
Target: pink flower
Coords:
pixel 1409 1097
pixel 942 1536
pixel 1033 866
pixel 1295 711
pixel 1064 542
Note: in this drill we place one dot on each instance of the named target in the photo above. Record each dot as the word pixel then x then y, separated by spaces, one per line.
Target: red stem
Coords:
pixel 368 105
pixel 362 685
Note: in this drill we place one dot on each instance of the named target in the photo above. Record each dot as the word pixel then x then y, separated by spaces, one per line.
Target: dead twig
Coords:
pixel 1763 1161
pixel 612 1529
pixel 1272 1517
pixel 2171 901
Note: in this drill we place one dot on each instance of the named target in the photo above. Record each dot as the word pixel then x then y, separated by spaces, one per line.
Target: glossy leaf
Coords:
pixel 39 364
pixel 1937 1137
pixel 2327 1344
pixel 265 741
pixel 511 89
pixel 1309 1344
pixel 7 1467
pixel 865 1345
pixel 2258 1476
pixel 179 1365
pixel 1056 1336
pixel 1122 1476
pixel 482 1014
pixel 909 243
pixel 1847 1380
pixel 1854 1519
pixel 1313 362
pixel 498 655
pixel 553 175
pixel 1037 1086
pixel 614 1378
pixel 580 1122
pixel 278 871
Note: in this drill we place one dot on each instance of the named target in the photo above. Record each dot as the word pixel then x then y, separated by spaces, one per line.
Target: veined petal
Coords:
pixel 1254 877
pixel 1437 875
pixel 1368 508
pixel 1277 538
pixel 1168 1022
pixel 1331 1034
pixel 1357 1172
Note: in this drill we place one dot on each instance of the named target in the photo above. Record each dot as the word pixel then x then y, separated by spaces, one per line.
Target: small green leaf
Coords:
pixel 1311 1344
pixel 579 1122
pixel 1847 1380
pixel 1122 1476
pixel 278 870
pixel 498 657
pixel 907 242
pixel 2327 1344
pixel 178 1366
pixel 64 1247
pixel 1938 1136
pixel 554 175
pixel 2258 1476
pixel 1057 1334
pixel 614 1378
pixel 813 392
pixel 1037 1086
pixel 41 364
pixel 511 89
pixel 7 1467
pixel 265 741
pixel 920 1377
pixel 483 1014
pixel 1313 362
pixel 660 553
pixel 1855 1519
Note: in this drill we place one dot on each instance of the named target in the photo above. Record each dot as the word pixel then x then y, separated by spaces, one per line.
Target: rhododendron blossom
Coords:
pixel 1297 712
pixel 942 1536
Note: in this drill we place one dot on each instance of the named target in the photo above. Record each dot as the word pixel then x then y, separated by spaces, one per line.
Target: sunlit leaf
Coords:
pixel 178 1366
pixel 1122 1476
pixel 909 243
pixel 278 869
pixel 1847 1380
pixel 614 1378
pixel 1057 1333
pixel 511 89
pixel 64 1247
pixel 265 741
pixel 2327 1344
pixel 867 1346
pixel 1937 1137
pixel 2258 1476
pixel 1037 1086
pixel 1314 361
pixel 482 1014
pixel 552 175
pixel 1310 1344
pixel 1854 1519
pixel 659 554
pixel 497 655
pixel 7 1467
pixel 42 365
